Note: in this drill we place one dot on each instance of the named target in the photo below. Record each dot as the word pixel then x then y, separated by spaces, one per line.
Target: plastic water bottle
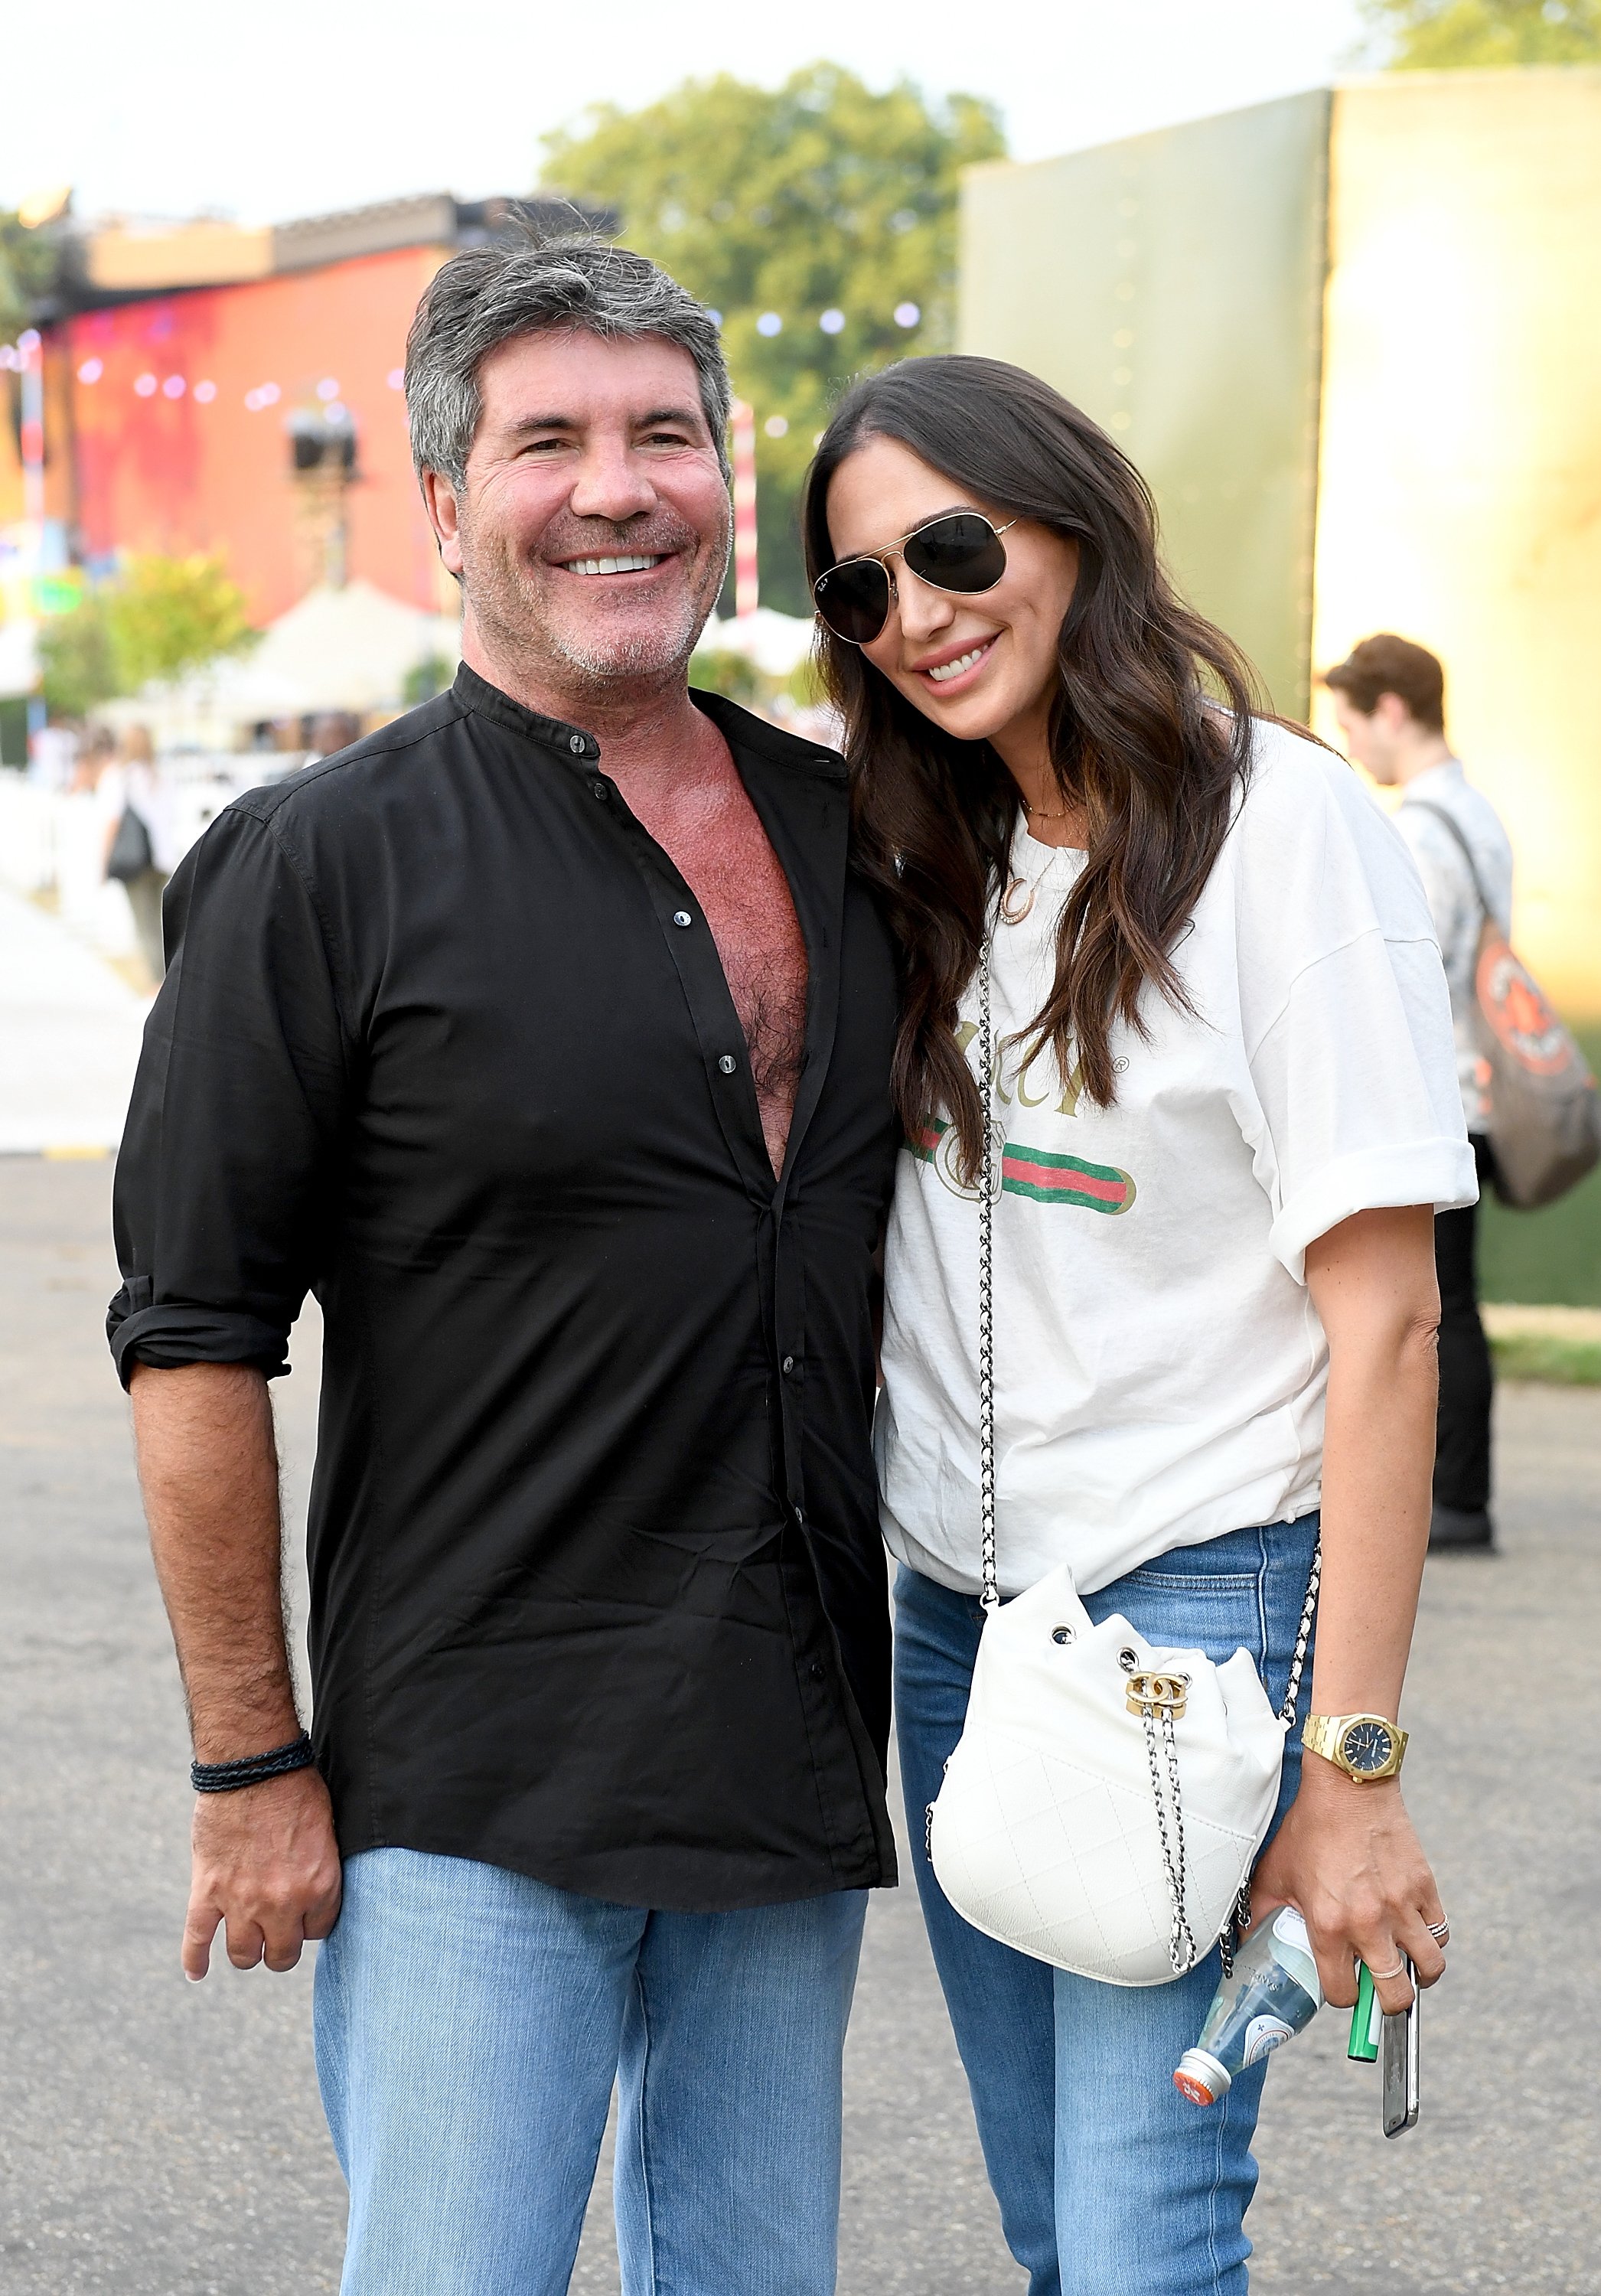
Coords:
pixel 1273 1995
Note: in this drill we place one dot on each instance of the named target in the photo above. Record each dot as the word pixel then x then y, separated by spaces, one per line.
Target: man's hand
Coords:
pixel 265 1862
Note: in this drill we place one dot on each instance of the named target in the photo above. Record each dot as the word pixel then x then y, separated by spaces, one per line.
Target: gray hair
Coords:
pixel 484 296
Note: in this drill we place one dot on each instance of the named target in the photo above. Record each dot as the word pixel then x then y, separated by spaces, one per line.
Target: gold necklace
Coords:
pixel 1039 813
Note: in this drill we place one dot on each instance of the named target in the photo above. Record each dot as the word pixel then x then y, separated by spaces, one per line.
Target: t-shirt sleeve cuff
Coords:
pixel 169 1337
pixel 1438 1172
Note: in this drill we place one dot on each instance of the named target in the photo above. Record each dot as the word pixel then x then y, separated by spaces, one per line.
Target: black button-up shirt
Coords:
pixel 597 1588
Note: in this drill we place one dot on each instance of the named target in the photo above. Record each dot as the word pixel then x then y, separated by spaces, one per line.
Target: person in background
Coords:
pixel 132 781
pixel 96 755
pixel 1388 697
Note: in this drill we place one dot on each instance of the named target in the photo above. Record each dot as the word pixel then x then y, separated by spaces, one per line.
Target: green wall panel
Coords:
pixel 1172 286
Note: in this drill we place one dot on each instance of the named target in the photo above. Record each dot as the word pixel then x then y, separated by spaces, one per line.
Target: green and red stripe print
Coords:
pixel 1046 1177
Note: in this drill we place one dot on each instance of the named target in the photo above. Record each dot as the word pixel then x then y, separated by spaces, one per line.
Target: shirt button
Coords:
pixel 598 789
pixel 682 918
pixel 818 1671
pixel 577 744
pixel 789 1364
pixel 727 1063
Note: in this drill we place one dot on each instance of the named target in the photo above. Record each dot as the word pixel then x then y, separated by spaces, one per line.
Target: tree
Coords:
pixel 819 202
pixel 76 662
pixel 29 263
pixel 168 616
pixel 1439 34
pixel 158 619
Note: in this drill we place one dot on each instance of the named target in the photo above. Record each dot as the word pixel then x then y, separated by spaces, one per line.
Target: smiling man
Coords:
pixel 544 1036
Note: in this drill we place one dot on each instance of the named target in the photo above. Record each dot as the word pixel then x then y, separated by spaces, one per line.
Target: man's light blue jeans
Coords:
pixel 1109 2183
pixel 470 2025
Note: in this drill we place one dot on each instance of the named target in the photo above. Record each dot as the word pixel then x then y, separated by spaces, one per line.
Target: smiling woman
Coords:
pixel 1176 1079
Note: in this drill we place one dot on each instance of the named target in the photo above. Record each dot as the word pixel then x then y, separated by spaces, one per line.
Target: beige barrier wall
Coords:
pixel 1418 449
pixel 1172 286
pixel 1459 479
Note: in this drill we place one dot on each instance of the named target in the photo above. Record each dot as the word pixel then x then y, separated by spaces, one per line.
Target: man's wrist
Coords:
pixel 232 1776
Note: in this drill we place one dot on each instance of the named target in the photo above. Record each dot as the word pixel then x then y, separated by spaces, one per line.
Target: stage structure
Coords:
pixel 1353 338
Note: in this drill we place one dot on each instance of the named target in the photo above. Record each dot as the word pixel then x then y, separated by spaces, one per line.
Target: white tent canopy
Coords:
pixel 348 649
pixel 777 643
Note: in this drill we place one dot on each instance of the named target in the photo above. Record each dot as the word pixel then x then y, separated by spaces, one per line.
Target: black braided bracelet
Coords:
pixel 227 1777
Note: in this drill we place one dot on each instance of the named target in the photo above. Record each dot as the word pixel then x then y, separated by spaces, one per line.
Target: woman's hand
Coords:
pixel 1347 1859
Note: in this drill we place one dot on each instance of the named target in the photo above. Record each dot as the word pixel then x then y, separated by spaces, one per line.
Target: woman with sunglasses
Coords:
pixel 1223 1110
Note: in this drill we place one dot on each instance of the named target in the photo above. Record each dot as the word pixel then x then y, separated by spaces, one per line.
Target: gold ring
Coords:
pixel 1382 1976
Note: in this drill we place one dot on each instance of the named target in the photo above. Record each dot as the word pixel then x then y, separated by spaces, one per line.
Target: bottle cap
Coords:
pixel 1200 2077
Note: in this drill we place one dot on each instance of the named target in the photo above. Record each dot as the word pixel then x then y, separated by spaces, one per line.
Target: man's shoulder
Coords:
pixel 322 790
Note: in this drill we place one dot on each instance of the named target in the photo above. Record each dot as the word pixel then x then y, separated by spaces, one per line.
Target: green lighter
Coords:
pixel 1366 2020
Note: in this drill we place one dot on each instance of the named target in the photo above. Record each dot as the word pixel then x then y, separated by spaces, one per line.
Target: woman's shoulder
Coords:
pixel 1307 830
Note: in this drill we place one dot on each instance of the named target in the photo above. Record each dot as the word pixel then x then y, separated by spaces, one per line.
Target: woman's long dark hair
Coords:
pixel 1133 738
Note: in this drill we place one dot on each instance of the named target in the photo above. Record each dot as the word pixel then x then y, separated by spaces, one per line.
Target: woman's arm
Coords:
pixel 1346 1854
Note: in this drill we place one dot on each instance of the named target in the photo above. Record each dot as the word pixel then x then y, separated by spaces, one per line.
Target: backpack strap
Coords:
pixel 1422 804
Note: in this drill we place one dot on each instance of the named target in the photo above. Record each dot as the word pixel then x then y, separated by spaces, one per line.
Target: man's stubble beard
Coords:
pixel 511 606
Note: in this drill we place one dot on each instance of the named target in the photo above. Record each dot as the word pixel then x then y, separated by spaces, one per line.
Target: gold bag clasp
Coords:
pixel 1158 1693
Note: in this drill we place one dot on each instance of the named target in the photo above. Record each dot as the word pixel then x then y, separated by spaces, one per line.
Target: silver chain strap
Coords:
pixel 1181 1939
pixel 989 1598
pixel 1169 1804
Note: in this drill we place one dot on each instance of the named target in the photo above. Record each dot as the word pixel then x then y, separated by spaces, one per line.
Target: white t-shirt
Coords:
pixel 1160 1368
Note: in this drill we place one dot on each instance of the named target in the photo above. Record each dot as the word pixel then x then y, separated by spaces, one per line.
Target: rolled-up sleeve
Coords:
pixel 227 1169
pixel 1358 1083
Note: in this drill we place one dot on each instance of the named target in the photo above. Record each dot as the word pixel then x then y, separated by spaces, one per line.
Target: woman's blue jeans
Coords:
pixel 1109 2183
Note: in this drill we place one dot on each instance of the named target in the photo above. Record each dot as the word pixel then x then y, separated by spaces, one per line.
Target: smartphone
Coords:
pixel 1398 2050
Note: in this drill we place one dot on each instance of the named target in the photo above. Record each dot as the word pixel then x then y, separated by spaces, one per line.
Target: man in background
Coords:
pixel 1390 700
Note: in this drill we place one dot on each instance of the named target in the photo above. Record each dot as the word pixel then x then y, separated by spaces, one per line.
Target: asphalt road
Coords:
pixel 160 2139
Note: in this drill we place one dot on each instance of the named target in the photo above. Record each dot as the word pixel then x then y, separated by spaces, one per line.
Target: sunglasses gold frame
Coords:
pixel 896 549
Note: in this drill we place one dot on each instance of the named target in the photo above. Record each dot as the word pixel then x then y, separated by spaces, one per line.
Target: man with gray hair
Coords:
pixel 545 1036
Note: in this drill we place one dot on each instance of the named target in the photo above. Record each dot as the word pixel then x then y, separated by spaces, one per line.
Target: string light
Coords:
pixel 832 322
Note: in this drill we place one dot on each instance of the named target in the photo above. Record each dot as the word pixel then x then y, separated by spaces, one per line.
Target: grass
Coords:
pixel 1559 1345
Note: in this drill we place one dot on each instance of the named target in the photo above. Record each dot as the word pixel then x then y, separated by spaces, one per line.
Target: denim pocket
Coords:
pixel 1196 1598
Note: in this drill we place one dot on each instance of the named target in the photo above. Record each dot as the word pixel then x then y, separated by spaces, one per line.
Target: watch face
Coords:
pixel 1368 1746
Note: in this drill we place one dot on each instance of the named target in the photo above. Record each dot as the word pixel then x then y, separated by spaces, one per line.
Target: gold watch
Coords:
pixel 1365 1746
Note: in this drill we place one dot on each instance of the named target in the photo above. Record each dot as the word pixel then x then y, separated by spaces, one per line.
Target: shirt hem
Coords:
pixel 622 1877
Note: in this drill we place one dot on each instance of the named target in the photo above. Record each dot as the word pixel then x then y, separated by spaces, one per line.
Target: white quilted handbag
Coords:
pixel 1107 1799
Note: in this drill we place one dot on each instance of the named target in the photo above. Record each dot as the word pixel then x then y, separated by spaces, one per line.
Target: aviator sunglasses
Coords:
pixel 961 551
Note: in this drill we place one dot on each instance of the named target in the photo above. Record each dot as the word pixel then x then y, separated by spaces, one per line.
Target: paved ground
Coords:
pixel 158 2139
pixel 69 1036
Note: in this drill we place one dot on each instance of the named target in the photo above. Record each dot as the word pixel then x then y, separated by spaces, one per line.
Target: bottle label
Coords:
pixel 1291 1950
pixel 1264 2034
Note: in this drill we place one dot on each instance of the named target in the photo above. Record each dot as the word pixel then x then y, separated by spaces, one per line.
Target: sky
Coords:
pixel 264 112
